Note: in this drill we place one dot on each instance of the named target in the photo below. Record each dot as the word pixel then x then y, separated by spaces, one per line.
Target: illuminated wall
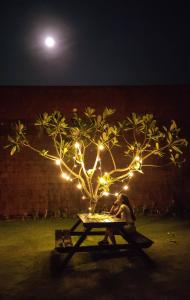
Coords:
pixel 30 184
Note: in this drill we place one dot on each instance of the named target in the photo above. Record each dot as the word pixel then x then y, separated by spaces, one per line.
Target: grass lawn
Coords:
pixel 27 270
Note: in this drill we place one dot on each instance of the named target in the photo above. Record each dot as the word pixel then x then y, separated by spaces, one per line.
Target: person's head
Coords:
pixel 124 199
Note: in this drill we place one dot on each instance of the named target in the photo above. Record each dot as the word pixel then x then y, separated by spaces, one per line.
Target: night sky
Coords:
pixel 97 42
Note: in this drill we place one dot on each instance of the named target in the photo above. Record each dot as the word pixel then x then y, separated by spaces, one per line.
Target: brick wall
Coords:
pixel 30 184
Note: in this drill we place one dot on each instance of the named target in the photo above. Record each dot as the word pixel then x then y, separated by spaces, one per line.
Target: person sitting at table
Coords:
pixel 121 209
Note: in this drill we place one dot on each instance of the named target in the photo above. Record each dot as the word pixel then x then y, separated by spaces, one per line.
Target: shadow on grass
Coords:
pixel 133 257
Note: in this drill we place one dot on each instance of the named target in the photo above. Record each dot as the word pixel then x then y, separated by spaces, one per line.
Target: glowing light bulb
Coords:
pixel 116 194
pixel 79 186
pixel 106 173
pixel 131 174
pixel 83 197
pixel 66 177
pixel 105 194
pixel 101 147
pixel 102 180
pixel 77 145
pixel 125 187
pixel 58 162
pixel 137 158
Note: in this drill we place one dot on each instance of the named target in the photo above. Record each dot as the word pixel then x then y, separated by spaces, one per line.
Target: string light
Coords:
pixel 79 186
pixel 116 194
pixel 66 177
pixel 131 174
pixel 83 197
pixel 58 162
pixel 137 158
pixel 102 180
pixel 101 147
pixel 105 194
pixel 125 187
pixel 77 145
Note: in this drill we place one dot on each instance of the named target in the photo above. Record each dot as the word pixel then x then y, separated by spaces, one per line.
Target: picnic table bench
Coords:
pixel 64 244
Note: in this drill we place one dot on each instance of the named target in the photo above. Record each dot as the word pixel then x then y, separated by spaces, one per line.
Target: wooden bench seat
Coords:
pixel 137 239
pixel 63 238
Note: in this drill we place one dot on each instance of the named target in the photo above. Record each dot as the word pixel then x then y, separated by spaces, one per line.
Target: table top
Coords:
pixel 100 220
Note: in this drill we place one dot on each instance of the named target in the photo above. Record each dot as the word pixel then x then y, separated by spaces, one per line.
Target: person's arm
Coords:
pixel 112 210
pixel 119 212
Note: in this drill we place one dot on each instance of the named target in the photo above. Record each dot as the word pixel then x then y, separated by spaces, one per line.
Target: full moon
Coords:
pixel 49 42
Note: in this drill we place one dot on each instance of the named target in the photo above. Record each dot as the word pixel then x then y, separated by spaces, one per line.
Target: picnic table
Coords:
pixel 64 244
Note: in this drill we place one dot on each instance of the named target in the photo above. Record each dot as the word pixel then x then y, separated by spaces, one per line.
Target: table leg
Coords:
pixel 75 225
pixel 76 246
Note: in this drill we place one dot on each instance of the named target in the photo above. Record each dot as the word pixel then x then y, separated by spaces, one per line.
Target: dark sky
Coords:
pixel 97 42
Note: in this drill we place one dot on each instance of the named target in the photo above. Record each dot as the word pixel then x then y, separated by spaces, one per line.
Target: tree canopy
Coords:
pixel 98 153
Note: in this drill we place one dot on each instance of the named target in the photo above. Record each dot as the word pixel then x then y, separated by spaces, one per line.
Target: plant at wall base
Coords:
pixel 98 155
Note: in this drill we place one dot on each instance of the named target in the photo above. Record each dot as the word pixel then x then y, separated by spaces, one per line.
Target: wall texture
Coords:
pixel 31 185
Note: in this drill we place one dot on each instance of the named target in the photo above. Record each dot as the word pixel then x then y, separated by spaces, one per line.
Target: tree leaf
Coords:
pixel 173 125
pixel 13 150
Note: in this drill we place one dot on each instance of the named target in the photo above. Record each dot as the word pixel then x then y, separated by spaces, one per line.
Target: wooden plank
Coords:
pixel 136 238
pixel 100 220
pixel 93 248
pixel 77 223
pixel 93 233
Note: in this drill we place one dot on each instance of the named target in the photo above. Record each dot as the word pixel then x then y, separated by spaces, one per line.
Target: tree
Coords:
pixel 98 154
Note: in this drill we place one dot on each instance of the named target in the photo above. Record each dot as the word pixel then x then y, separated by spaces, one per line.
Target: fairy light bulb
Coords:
pixel 105 194
pixel 137 158
pixel 131 174
pixel 64 175
pixel 79 186
pixel 125 187
pixel 101 147
pixel 77 145
pixel 83 197
pixel 58 162
pixel 102 180
pixel 116 194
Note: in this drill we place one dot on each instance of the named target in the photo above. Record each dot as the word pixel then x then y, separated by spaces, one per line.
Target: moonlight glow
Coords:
pixel 49 42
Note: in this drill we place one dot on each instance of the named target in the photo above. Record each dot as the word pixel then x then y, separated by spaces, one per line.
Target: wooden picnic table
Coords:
pixel 96 221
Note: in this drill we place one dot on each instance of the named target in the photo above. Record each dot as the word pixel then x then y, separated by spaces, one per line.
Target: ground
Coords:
pixel 29 269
